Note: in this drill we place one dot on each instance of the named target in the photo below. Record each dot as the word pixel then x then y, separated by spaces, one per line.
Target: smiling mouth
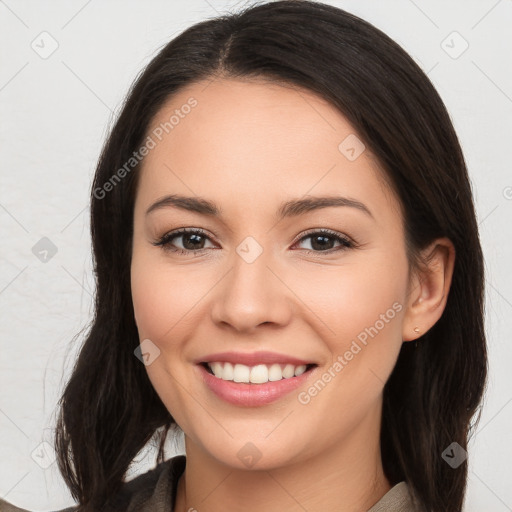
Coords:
pixel 257 374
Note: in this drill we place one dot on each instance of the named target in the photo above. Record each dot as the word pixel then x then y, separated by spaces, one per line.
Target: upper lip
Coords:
pixel 252 359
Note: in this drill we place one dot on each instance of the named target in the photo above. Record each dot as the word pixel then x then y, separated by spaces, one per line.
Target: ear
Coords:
pixel 428 289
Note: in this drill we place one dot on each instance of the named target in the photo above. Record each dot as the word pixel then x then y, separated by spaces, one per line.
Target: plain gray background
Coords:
pixel 55 112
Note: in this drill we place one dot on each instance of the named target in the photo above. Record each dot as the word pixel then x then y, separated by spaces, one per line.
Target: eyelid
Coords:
pixel 176 233
pixel 346 241
pixel 326 231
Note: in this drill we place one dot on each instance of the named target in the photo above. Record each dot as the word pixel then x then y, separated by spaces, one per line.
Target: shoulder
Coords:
pixel 397 499
pixel 145 490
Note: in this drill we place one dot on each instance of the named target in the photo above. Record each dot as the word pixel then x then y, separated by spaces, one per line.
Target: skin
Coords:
pixel 248 146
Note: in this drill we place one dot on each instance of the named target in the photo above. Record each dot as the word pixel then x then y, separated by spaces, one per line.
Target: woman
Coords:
pixel 288 270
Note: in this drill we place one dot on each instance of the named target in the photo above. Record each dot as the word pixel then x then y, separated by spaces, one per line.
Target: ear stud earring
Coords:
pixel 416 330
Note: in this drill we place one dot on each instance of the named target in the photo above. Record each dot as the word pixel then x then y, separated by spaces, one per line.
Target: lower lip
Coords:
pixel 252 395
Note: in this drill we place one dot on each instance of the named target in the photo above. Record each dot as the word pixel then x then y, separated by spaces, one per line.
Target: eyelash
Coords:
pixel 165 241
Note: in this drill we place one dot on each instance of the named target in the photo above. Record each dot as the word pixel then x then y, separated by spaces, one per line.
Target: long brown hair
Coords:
pixel 109 410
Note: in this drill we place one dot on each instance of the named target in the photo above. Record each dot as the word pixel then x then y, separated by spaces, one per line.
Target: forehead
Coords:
pixel 257 141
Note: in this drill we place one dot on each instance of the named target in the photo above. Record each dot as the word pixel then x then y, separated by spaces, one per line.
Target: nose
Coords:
pixel 252 294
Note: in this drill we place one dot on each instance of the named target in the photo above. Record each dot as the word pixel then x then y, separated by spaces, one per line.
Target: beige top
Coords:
pixel 155 491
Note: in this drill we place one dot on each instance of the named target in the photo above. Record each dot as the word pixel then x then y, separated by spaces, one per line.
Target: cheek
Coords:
pixel 148 299
pixel 156 296
pixel 161 301
pixel 351 299
pixel 364 310
pixel 362 307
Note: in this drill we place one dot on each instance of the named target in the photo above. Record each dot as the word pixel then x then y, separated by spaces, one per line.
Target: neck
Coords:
pixel 348 477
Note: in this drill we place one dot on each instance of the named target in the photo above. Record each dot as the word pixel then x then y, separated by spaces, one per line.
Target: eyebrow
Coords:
pixel 289 208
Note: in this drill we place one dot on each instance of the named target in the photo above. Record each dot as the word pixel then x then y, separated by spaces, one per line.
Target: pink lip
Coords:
pixel 252 359
pixel 252 395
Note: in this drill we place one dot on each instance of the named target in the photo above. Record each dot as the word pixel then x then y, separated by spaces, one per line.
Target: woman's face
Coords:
pixel 260 276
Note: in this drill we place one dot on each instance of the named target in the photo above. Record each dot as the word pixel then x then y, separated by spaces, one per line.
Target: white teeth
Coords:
pixel 275 373
pixel 216 368
pixel 289 371
pixel 241 373
pixel 300 370
pixel 259 374
pixel 228 370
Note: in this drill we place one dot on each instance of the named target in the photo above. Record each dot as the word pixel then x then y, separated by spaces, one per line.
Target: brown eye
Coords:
pixel 192 241
pixel 324 240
